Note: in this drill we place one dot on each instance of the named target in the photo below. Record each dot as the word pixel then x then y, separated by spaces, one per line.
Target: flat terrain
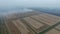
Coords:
pixel 30 23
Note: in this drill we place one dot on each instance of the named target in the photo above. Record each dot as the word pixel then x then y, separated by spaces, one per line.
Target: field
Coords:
pixel 30 23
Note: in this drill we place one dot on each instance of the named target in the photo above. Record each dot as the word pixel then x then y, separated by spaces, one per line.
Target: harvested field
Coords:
pixel 53 31
pixel 30 23
pixel 35 25
pixel 22 27
pixel 58 27
pixel 45 19
pixel 12 28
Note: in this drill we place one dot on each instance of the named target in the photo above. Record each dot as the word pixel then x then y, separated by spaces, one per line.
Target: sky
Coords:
pixel 29 3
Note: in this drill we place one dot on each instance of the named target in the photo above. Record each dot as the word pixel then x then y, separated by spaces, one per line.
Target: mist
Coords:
pixel 29 3
pixel 11 6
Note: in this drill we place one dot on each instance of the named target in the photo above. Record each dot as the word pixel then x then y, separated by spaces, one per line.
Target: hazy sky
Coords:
pixel 29 3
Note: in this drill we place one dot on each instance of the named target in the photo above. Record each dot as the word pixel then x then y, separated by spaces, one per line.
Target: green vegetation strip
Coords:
pixel 57 29
pixel 3 26
pixel 51 27
pixel 0 26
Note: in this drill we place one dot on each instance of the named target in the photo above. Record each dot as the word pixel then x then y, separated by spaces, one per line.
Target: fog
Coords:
pixel 29 3
pixel 14 4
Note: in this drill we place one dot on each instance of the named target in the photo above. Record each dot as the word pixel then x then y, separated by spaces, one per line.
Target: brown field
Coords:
pixel 35 25
pixel 46 19
pixel 31 23
pixel 53 31
pixel 58 27
pixel 23 29
pixel 12 28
